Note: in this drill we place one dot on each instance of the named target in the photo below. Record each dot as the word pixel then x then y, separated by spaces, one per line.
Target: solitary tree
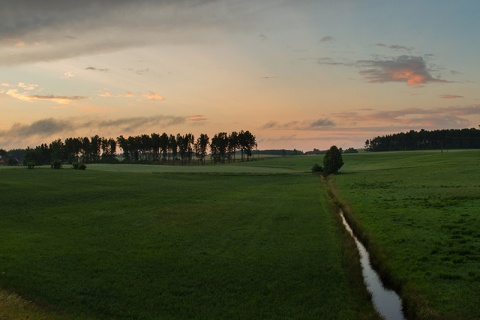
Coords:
pixel 332 161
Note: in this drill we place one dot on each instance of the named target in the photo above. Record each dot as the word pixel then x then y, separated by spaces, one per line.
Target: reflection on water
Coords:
pixel 386 301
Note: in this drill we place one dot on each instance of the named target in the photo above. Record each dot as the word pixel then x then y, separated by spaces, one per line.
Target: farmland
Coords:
pixel 418 212
pixel 256 240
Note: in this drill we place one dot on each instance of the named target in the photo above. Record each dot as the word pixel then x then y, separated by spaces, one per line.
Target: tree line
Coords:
pixel 426 140
pixel 153 148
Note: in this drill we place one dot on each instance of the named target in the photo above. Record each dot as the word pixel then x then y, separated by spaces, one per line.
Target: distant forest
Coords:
pixel 426 140
pixel 153 148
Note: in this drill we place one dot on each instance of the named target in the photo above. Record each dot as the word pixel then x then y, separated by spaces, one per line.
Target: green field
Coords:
pixel 419 214
pixel 256 240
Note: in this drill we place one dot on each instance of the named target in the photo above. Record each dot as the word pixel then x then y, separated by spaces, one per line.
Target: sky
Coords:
pixel 298 74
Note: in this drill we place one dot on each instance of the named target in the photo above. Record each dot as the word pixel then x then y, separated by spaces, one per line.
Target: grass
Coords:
pixel 250 241
pixel 418 213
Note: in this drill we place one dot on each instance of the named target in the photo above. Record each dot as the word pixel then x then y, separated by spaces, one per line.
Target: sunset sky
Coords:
pixel 298 74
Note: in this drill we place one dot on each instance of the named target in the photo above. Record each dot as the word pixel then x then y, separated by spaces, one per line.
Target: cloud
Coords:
pixel 152 96
pixel 450 96
pixel 299 125
pixel 412 118
pixel 40 128
pixel 327 39
pixel 333 62
pixel 412 70
pixel 26 86
pixel 46 130
pixel 395 47
pixel 68 74
pixel 25 94
pixel 96 69
pixel 135 123
pixel 105 94
pixel 322 123
pixel 141 71
pixel 14 93
pixel 197 118
pixel 56 29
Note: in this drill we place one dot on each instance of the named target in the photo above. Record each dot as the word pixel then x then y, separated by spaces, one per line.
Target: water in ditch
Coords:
pixel 386 301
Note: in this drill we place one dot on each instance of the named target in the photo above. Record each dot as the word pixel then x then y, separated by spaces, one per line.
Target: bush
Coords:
pixel 317 168
pixel 79 166
pixel 30 164
pixel 57 164
pixel 351 150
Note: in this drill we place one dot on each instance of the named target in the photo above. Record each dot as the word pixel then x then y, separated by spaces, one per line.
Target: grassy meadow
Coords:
pixel 256 240
pixel 419 214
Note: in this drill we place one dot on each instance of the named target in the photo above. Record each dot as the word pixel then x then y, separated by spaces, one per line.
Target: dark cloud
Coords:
pixel 41 128
pixel 130 124
pixel 270 125
pixel 46 130
pixel 322 123
pixel 412 70
pixel 436 118
pixel 327 39
pixel 281 126
pixel 395 47
pixel 333 62
pixel 299 125
pixel 96 69
pixel 450 96
pixel 56 29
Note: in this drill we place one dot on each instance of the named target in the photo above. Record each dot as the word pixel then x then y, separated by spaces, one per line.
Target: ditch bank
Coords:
pixel 387 302
pixel 414 304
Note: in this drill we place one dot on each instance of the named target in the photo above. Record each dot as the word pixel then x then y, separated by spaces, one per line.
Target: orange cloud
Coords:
pixel 14 93
pixel 105 94
pixel 27 86
pixel 197 118
pixel 410 69
pixel 152 96
pixel 410 76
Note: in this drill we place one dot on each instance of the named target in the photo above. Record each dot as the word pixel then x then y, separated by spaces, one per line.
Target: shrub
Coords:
pixel 317 168
pixel 351 150
pixel 30 164
pixel 57 164
pixel 79 166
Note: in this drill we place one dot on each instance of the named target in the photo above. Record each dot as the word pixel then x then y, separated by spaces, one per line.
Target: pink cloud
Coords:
pixel 409 69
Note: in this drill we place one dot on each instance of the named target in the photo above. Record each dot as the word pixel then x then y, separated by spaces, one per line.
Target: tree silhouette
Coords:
pixel 332 161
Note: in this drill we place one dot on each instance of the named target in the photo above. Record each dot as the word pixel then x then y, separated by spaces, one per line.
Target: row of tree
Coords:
pixel 426 140
pixel 146 148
